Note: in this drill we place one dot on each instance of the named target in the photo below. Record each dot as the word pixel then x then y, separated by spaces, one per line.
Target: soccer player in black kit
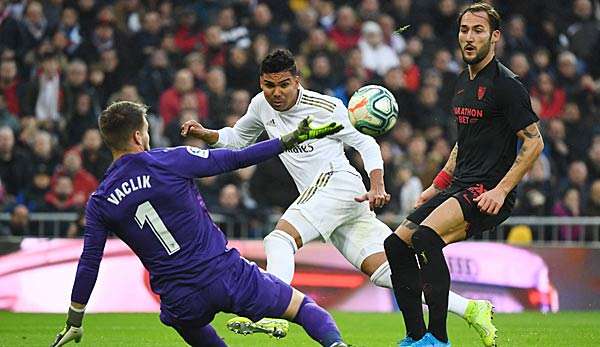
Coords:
pixel 475 191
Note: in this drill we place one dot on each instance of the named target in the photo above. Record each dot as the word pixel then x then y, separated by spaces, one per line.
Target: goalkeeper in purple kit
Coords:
pixel 148 199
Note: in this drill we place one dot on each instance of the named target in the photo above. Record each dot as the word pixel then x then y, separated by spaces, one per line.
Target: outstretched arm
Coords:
pixel 245 131
pixel 492 200
pixel 85 279
pixel 195 162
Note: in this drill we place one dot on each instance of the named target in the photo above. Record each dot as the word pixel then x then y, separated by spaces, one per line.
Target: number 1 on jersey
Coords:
pixel 146 212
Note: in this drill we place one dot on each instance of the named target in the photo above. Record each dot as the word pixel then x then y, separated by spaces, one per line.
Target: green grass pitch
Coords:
pixel 359 329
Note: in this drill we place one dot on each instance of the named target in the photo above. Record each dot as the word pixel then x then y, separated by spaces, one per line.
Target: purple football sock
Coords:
pixel 196 336
pixel 317 323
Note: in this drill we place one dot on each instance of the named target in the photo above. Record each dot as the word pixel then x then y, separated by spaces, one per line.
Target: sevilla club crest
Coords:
pixel 481 92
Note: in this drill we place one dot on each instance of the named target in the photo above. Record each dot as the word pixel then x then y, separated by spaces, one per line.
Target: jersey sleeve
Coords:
pixel 192 162
pixel 245 131
pixel 364 144
pixel 93 248
pixel 515 103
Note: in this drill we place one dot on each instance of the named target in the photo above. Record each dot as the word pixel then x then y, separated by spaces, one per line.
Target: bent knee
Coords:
pixel 405 231
pixel 287 228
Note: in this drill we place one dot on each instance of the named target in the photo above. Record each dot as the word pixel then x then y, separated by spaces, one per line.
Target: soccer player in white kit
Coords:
pixel 333 204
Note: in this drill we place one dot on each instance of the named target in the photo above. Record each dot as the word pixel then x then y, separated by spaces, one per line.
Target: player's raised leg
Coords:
pixel 280 246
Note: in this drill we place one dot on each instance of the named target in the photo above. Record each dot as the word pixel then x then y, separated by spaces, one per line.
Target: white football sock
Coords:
pixel 382 277
pixel 457 304
pixel 280 248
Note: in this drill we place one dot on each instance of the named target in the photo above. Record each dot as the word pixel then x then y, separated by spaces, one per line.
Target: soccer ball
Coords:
pixel 373 110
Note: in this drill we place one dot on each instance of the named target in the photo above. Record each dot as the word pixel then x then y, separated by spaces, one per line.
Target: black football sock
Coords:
pixel 407 284
pixel 436 278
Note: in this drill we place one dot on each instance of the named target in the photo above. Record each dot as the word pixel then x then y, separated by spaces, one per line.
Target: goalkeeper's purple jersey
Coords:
pixel 149 200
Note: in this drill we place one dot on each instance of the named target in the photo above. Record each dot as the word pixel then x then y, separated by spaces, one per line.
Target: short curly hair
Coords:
pixel 280 60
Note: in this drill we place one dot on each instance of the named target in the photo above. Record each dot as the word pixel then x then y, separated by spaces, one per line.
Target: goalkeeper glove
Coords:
pixel 72 330
pixel 307 132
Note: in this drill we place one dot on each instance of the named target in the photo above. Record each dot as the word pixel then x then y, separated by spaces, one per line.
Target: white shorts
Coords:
pixel 327 211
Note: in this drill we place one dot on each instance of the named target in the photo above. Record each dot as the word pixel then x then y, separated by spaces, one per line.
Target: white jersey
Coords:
pixel 310 158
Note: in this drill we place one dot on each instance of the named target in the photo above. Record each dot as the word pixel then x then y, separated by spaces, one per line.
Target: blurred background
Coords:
pixel 63 61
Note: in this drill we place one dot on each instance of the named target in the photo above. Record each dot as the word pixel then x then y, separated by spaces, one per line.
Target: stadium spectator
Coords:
pixel 128 15
pixel 6 118
pixel 516 38
pixel 15 165
pixel 535 194
pixel 34 27
pixel 411 71
pixel 10 35
pixel 569 205
pixel 148 39
pixel 240 70
pixel 95 157
pixel 391 33
pixel 443 64
pixel 214 48
pixel 170 99
pixel 116 73
pixel 557 146
pixel 409 188
pixel 240 99
pixel 323 79
pixel 344 92
pixel 427 110
pixel 593 159
pixel 83 183
pixel 70 31
pixel 10 86
pixel 429 41
pixel 62 197
pixel 232 34
pixel 19 224
pixel 82 119
pixel 306 21
pixel 593 205
pixel 577 131
pixel 76 83
pixel 346 31
pixel 577 178
pixel 43 95
pixel 583 30
pixel 444 21
pixel 230 206
pixel 376 55
pixel 262 24
pixel 520 66
pixel 154 78
pixel 44 161
pixel 551 96
pixel 568 77
pixel 186 36
pixel 218 95
pixel 368 10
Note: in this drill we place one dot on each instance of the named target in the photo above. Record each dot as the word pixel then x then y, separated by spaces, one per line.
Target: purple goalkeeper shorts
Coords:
pixel 243 289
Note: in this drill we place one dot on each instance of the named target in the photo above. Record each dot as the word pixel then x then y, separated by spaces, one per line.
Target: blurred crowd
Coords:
pixel 63 61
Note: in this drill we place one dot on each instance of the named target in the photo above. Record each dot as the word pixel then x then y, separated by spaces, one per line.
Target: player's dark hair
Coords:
pixel 280 60
pixel 118 121
pixel 493 15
